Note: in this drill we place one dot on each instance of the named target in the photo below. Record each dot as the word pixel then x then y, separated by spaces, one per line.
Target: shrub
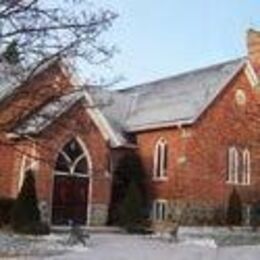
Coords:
pixel 234 211
pixel 25 213
pixel 35 228
pixel 6 206
pixel 129 200
pixel 255 215
pixel 131 212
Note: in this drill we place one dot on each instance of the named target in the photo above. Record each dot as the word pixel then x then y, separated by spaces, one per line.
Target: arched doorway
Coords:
pixel 71 185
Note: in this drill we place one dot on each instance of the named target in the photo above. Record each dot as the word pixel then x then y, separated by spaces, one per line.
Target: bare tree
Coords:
pixel 42 30
pixel 34 33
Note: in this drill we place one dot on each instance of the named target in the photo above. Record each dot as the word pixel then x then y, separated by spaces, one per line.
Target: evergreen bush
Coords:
pixel 6 206
pixel 25 213
pixel 129 201
pixel 234 211
pixel 11 53
pixel 131 212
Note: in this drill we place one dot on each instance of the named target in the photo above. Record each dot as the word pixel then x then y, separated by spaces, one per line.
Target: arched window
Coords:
pixel 239 166
pixel 232 165
pixel 72 160
pixel 160 159
pixel 246 166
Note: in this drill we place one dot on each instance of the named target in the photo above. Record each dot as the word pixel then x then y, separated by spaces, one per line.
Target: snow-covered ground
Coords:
pixel 125 247
pixel 193 244
pixel 15 246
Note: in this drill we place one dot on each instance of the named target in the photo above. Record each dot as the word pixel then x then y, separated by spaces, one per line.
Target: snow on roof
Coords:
pixel 114 107
pixel 12 76
pixel 9 78
pixel 47 114
pixel 179 99
pixel 172 101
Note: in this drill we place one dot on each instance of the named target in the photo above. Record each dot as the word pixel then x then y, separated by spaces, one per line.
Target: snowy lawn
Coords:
pixel 193 244
pixel 126 247
pixel 13 245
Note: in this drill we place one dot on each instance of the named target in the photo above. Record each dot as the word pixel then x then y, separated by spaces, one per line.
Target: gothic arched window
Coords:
pixel 160 159
pixel 72 160
pixel 233 161
pixel 246 166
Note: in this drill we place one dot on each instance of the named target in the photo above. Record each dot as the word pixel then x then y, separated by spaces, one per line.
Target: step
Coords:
pixel 91 229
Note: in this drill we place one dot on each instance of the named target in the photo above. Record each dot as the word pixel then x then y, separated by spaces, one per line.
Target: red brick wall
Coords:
pixel 202 178
pixel 74 124
pixel 45 147
pixel 28 97
pixel 7 168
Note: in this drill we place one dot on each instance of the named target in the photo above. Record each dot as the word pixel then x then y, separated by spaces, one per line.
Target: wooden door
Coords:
pixel 70 200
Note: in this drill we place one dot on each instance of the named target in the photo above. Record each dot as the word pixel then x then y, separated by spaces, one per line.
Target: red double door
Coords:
pixel 70 200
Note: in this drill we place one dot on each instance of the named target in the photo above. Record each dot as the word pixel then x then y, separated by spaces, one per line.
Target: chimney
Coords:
pixel 253 47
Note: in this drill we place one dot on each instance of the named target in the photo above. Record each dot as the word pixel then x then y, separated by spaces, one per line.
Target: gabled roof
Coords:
pixel 13 76
pixel 176 100
pixel 168 102
pixel 38 121
pixel 114 107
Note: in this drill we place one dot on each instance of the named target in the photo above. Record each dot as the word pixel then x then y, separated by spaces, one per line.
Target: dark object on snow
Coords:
pixel 174 232
pixel 234 211
pixel 76 234
pixel 25 213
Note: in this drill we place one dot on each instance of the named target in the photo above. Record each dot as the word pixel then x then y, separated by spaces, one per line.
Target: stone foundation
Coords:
pixel 192 214
pixel 203 214
pixel 99 213
pixel 44 211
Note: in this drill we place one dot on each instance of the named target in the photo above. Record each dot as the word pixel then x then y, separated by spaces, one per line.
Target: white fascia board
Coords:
pixel 251 74
pixel 224 85
pixel 102 123
pixel 92 109
pixel 159 125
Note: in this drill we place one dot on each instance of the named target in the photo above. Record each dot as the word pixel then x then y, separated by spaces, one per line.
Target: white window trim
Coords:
pixel 72 167
pixel 60 173
pixel 161 203
pixel 22 172
pixel 251 74
pixel 232 165
pixel 88 175
pixel 246 167
pixel 160 146
pixel 28 162
pixel 234 160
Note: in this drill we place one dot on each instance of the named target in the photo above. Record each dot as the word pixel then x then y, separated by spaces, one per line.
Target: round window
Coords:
pixel 240 97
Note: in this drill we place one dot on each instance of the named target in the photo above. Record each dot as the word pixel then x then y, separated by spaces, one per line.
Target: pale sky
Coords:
pixel 163 38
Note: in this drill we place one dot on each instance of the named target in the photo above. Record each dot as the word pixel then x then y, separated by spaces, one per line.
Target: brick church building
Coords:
pixel 197 135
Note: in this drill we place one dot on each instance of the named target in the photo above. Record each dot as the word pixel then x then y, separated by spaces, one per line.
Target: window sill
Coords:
pixel 108 174
pixel 58 173
pixel 159 179
pixel 237 184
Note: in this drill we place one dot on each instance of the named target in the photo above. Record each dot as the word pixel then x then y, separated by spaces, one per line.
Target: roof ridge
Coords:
pixel 185 73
